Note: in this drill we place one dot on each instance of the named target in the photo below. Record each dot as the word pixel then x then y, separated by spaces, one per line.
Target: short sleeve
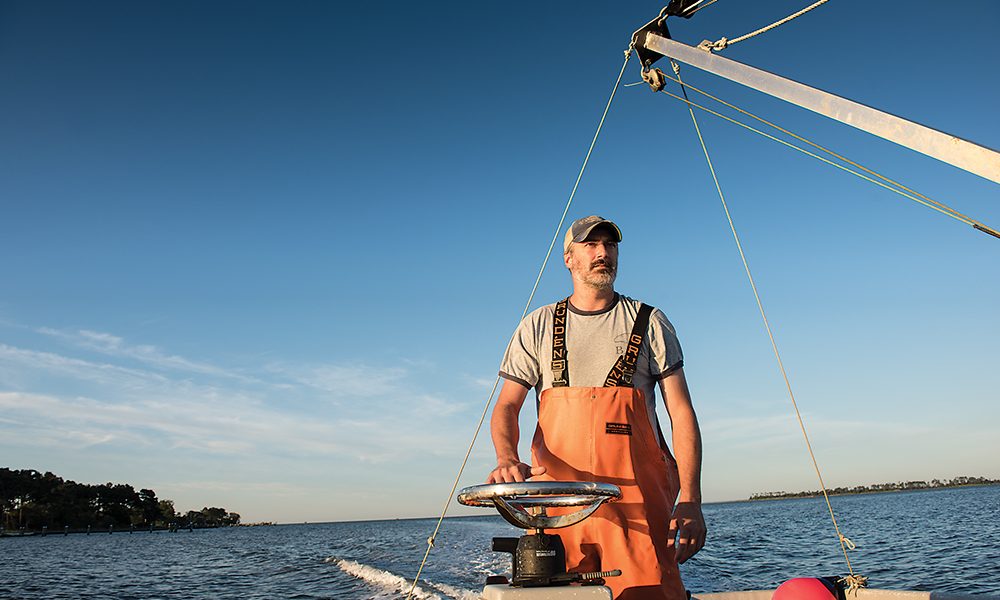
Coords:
pixel 521 361
pixel 665 355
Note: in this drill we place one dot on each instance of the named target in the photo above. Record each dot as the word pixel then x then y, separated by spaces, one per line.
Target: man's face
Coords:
pixel 594 261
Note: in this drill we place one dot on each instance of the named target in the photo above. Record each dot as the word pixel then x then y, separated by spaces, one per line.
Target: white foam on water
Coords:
pixel 454 592
pixel 394 586
pixel 490 564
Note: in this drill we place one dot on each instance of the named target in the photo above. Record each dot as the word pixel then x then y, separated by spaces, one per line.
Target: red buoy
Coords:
pixel 805 588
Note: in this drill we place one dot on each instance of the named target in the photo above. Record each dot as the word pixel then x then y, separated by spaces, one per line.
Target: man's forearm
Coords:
pixel 685 434
pixel 503 425
pixel 505 432
pixel 687 452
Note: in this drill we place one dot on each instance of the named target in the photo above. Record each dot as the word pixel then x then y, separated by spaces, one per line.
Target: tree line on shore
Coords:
pixel 30 500
pixel 882 487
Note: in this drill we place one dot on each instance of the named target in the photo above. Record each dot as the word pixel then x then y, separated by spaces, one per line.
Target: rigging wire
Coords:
pixel 853 580
pixel 722 43
pixel 886 182
pixel 931 204
pixel 691 10
pixel 527 305
pixel 964 218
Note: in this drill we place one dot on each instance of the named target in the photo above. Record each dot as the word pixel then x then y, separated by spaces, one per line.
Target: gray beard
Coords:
pixel 599 280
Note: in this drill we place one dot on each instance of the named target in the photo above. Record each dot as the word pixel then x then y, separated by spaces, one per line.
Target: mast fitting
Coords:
pixel 657 26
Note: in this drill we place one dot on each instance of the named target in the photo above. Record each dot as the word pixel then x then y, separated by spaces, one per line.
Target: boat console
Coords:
pixel 539 558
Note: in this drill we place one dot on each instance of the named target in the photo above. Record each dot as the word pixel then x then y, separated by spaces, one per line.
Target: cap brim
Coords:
pixel 583 235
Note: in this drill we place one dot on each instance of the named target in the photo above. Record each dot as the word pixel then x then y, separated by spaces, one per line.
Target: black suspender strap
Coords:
pixel 621 374
pixel 560 370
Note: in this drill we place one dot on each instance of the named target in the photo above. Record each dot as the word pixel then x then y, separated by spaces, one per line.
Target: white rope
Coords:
pixel 527 305
pixel 760 305
pixel 949 212
pixel 691 9
pixel 886 183
pixel 695 8
pixel 723 43
pixel 854 583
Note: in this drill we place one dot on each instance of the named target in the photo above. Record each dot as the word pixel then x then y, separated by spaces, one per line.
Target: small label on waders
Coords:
pixel 618 428
pixel 545 552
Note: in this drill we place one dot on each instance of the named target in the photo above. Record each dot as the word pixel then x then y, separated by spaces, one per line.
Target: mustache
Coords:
pixel 602 263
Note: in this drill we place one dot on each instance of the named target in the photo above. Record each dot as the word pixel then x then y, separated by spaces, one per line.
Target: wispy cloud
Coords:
pixel 152 356
pixel 342 380
pixel 74 367
pixel 483 383
pixel 354 411
pixel 84 403
pixel 255 487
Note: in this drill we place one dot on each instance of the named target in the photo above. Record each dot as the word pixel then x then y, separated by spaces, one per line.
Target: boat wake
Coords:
pixel 391 586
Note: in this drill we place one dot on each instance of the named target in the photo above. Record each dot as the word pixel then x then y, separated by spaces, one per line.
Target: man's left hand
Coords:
pixel 687 530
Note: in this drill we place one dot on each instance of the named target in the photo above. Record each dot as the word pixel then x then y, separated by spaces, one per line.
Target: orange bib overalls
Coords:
pixel 605 434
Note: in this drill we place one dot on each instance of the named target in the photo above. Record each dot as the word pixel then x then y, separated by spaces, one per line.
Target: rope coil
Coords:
pixel 853 583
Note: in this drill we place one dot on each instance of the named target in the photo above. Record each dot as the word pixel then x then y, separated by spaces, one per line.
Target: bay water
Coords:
pixel 945 540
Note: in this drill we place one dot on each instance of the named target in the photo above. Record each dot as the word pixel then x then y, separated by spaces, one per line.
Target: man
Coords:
pixel 594 360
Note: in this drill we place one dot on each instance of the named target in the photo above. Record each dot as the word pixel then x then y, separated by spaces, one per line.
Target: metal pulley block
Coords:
pixel 655 79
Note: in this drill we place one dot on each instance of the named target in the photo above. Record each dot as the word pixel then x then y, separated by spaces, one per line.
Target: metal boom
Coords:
pixel 956 151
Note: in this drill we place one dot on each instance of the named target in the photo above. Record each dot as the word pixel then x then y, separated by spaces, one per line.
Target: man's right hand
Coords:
pixel 509 472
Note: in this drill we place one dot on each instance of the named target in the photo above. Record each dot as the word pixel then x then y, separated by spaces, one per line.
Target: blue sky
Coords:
pixel 267 255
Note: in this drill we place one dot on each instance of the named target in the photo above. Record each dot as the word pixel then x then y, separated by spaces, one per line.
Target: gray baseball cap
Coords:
pixel 581 228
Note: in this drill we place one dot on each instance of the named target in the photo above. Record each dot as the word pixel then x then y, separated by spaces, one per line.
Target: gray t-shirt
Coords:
pixel 594 341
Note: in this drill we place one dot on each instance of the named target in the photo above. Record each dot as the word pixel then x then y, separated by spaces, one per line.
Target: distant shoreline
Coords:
pixel 879 488
pixel 45 503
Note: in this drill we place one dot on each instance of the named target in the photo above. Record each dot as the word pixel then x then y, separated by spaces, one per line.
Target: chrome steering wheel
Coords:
pixel 514 500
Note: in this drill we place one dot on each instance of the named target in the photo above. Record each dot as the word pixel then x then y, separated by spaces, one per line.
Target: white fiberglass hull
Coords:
pixel 864 594
pixel 506 592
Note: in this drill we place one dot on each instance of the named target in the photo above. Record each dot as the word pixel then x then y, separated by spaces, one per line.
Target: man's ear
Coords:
pixel 566 257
